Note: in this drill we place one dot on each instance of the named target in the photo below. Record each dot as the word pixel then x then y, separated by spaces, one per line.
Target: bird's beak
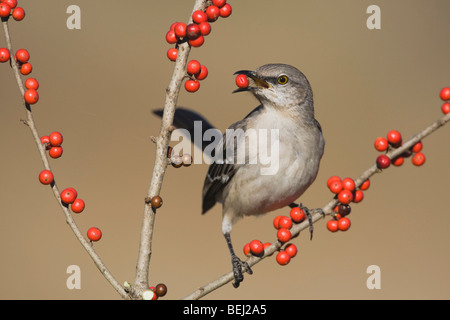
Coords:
pixel 254 82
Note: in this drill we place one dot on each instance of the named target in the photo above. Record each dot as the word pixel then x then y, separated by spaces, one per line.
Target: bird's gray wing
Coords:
pixel 221 172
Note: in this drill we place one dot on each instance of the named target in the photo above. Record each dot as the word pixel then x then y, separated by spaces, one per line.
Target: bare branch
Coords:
pixel 162 142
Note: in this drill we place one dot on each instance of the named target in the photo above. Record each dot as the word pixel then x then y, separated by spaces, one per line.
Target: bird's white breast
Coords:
pixel 297 167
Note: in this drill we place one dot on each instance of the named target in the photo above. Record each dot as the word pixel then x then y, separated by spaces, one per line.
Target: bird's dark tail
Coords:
pixel 188 119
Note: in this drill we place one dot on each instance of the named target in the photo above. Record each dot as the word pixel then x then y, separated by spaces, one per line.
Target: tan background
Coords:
pixel 99 85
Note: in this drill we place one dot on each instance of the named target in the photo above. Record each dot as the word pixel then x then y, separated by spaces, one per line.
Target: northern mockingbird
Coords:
pixel 286 106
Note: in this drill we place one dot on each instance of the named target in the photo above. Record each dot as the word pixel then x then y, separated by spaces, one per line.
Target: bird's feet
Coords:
pixel 308 215
pixel 238 265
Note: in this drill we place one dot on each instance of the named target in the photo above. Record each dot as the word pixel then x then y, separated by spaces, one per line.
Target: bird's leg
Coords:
pixel 308 215
pixel 237 263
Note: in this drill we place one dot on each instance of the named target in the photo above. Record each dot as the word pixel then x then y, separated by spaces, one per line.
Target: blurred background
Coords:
pixel 99 85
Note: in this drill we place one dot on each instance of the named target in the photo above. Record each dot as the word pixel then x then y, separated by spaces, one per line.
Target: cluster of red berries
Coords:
pixel 69 196
pixel 5 10
pixel 195 33
pixel 394 140
pixel 346 192
pixel 283 224
pixel 445 96
pixel 22 57
pixel 340 222
pixel 52 144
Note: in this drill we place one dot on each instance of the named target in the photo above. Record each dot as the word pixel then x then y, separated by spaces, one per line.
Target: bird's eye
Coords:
pixel 282 79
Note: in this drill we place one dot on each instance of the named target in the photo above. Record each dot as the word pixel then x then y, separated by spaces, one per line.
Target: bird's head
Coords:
pixel 278 85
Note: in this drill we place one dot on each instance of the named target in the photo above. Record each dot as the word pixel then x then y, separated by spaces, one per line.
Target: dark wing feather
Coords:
pixel 185 119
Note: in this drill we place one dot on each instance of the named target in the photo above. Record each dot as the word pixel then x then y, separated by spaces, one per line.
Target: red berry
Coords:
pixel 242 81
pixel 31 83
pixel 345 196
pixel 332 225
pixel 4 55
pixel 192 85
pixel 398 161
pixel 213 13
pixel 344 224
pixel 94 234
pixel 291 250
pixel 225 11
pixel 26 68
pixel 348 184
pixel 193 67
pixel 22 55
pixel 335 186
pixel 418 159
pixel 219 3
pixel 445 94
pixel 172 54
pixel 283 258
pixel 199 16
pixel 383 161
pixel 365 185
pixel 417 147
pixel 205 28
pixel 68 195
pixel 11 3
pixel 56 139
pixel 18 14
pixel 284 235
pixel 202 74
pixel 193 31
pixel 197 42
pixel 381 144
pixel 73 190
pixel 5 10
pixel 331 179
pixel 171 37
pixel 247 249
pixel 446 108
pixel 46 177
pixel 55 152
pixel 394 138
pixel 285 222
pixel 256 248
pixel 180 29
pixel 358 196
pixel 172 26
pixel 31 96
pixel 297 214
pixel 78 206
pixel 45 140
pixel 276 221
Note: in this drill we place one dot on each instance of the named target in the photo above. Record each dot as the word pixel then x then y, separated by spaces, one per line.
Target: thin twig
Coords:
pixel 162 142
pixel 69 219
pixel 316 215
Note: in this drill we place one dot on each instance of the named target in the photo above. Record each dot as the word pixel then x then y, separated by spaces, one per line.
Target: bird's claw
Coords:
pixel 238 264
pixel 308 215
